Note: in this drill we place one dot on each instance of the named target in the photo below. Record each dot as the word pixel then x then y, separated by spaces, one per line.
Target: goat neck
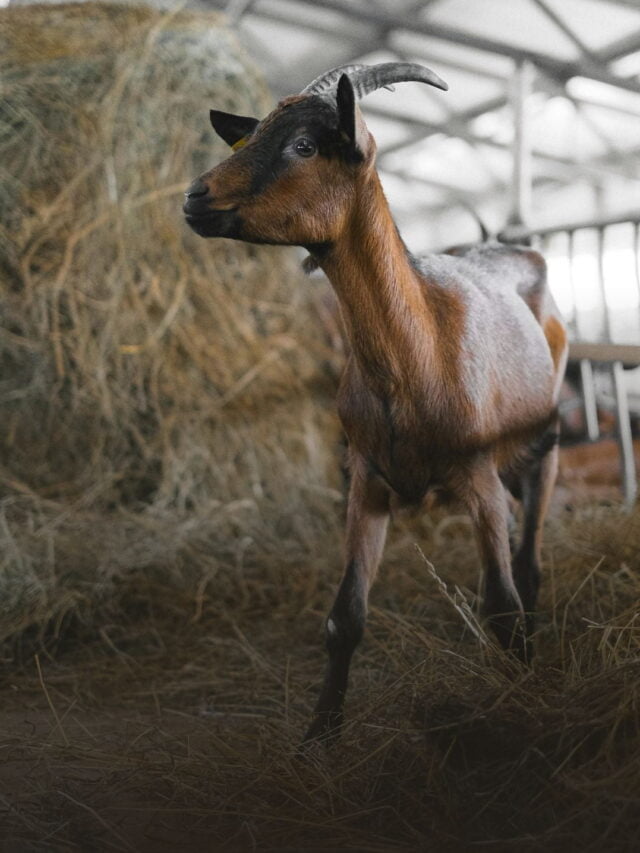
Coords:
pixel 382 298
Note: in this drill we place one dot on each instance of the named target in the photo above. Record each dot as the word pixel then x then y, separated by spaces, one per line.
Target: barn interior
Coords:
pixel 172 468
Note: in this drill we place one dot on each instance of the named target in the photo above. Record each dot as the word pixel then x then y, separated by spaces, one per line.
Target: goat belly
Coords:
pixel 409 488
pixel 411 466
pixel 397 463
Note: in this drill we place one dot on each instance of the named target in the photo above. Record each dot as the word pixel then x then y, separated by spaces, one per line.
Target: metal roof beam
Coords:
pixel 564 28
pixel 461 195
pixel 563 167
pixel 630 4
pixel 622 47
pixel 626 45
pixel 460 118
pixel 562 69
pixel 464 199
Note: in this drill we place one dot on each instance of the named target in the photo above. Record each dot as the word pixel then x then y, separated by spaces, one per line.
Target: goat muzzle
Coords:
pixel 197 199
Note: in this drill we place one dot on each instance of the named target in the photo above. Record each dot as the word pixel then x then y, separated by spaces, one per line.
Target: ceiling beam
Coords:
pixel 630 4
pixel 561 69
pixel 461 195
pixel 565 29
pixel 421 131
pixel 622 47
pixel 363 44
pixel 381 25
pixel 498 191
pixel 563 168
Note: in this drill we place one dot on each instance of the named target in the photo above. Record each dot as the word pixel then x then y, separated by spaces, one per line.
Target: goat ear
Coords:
pixel 232 128
pixel 350 121
pixel 346 100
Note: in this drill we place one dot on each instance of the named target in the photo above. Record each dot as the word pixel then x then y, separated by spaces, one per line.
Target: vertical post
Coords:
pixel 625 439
pixel 636 252
pixel 604 332
pixel 605 328
pixel 589 399
pixel 521 180
pixel 574 323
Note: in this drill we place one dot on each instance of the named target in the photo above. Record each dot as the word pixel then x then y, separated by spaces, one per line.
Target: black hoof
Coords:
pixel 325 728
pixel 511 631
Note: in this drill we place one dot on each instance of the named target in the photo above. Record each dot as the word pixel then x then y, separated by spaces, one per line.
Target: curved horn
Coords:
pixel 368 78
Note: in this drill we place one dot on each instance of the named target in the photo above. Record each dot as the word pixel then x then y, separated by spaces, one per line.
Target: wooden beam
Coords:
pixel 626 353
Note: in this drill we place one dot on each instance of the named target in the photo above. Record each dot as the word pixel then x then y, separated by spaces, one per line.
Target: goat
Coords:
pixel 455 362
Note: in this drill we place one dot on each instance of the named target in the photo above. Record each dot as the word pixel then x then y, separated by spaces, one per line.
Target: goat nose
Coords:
pixel 197 189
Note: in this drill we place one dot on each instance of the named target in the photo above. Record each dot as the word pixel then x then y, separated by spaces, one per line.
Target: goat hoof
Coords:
pixel 325 729
pixel 512 633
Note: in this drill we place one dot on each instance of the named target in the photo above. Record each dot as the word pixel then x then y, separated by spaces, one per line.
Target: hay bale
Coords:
pixel 150 379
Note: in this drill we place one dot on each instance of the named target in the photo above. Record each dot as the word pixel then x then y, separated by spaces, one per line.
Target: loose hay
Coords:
pixel 177 727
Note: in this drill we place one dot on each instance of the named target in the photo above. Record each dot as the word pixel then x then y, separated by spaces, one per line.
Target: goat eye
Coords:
pixel 304 147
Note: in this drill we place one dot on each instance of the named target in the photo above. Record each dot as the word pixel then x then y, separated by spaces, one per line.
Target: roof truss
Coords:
pixel 361 29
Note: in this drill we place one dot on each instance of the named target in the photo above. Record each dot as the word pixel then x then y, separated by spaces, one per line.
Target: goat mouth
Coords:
pixel 211 223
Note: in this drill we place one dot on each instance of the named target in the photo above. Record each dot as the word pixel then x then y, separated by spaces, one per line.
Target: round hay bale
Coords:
pixel 147 374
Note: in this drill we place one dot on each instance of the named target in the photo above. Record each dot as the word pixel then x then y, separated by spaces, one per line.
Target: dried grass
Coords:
pixel 174 724
pixel 170 521
pixel 157 390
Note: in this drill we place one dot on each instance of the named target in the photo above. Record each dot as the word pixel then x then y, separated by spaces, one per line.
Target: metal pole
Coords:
pixel 574 323
pixel 605 326
pixel 636 252
pixel 521 199
pixel 625 439
pixel 589 399
pixel 605 332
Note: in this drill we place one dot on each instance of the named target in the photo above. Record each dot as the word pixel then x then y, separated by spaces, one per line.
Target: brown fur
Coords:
pixel 452 378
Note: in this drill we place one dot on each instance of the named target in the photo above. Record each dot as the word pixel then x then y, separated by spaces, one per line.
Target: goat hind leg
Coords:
pixel 367 518
pixel 536 487
pixel 486 500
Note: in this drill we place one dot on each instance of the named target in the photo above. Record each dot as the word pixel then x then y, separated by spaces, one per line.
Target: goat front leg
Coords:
pixel 367 519
pixel 486 502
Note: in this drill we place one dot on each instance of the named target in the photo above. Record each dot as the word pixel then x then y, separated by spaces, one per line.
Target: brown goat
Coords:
pixel 455 363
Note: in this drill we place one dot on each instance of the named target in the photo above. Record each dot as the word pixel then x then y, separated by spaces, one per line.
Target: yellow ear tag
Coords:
pixel 240 143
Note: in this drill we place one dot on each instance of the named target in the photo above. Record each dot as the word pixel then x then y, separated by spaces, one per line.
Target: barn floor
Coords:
pixel 172 722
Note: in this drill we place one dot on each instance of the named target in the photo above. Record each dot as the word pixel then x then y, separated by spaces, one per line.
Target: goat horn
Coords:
pixel 368 78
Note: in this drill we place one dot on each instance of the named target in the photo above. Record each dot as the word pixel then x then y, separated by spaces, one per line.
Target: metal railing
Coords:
pixel 598 345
